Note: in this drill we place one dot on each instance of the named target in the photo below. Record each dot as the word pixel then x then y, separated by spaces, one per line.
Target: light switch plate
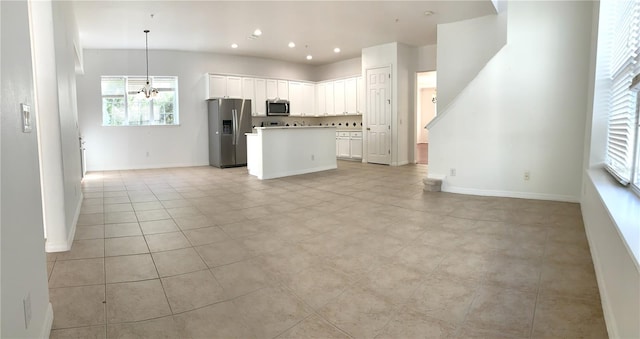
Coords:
pixel 26 118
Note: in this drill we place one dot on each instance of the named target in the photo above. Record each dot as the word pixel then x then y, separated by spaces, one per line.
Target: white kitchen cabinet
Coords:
pixel 360 87
pixel 343 147
pixel 296 99
pixel 338 97
pixel 277 89
pixel 234 87
pixel 216 86
pixel 308 97
pixel 248 92
pixel 283 89
pixel 349 145
pixel 301 97
pixel 350 96
pixel 272 89
pixel 261 97
pixel 355 145
pixel 221 86
pixel 329 99
pixel 321 104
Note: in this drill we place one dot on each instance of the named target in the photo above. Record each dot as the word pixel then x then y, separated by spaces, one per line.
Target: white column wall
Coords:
pixel 23 273
pixel 46 84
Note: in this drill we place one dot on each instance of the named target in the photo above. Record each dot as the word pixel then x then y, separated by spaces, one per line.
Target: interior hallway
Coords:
pixel 422 157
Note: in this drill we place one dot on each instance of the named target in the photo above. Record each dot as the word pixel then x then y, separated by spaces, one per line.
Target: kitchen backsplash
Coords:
pixel 341 122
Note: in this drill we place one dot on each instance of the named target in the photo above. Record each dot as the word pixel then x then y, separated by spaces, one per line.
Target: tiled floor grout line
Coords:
pixel 368 201
pixel 164 291
pixel 539 289
pixel 104 266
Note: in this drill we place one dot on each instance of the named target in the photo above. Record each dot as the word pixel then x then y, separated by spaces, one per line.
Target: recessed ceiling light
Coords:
pixel 234 45
pixel 428 13
pixel 336 50
pixel 309 57
pixel 292 44
pixel 257 32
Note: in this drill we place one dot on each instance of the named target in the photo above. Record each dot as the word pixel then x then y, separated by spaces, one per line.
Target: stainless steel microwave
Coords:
pixel 278 107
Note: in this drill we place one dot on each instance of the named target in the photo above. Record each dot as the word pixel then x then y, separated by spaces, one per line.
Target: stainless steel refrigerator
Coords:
pixel 229 120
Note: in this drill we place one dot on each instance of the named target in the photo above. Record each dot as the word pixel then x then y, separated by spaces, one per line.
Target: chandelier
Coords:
pixel 148 91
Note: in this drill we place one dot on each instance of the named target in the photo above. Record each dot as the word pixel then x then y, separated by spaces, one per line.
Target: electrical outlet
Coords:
pixel 313 157
pixel 26 302
pixel 147 154
pixel 452 172
pixel 527 176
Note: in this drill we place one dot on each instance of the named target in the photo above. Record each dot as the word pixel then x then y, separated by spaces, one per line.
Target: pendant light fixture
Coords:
pixel 148 91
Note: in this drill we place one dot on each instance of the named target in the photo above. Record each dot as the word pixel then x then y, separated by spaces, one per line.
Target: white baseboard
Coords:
pixel 607 311
pixel 146 166
pixel 508 194
pixel 45 332
pixel 51 247
pixel 300 171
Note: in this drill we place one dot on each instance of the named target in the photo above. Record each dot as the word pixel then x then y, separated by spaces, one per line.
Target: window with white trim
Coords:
pixel 123 105
pixel 622 157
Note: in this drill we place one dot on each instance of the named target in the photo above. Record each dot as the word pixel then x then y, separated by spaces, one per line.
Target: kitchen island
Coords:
pixel 275 152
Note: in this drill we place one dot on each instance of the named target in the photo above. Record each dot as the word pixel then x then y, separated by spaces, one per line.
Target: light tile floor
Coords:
pixel 360 252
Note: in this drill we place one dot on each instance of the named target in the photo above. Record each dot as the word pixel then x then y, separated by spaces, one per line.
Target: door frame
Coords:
pixel 365 125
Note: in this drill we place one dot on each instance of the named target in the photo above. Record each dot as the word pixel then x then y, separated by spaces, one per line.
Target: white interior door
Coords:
pixel 379 115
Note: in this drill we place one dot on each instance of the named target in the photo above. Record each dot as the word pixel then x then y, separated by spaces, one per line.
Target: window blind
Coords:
pixel 134 84
pixel 624 64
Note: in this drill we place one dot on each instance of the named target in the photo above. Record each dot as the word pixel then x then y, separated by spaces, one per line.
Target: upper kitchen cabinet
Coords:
pixel 234 87
pixel 221 86
pixel 351 96
pixel 321 105
pixel 283 89
pixel 360 105
pixel 329 98
pixel 295 99
pixel 272 89
pixel 277 89
pixel 261 97
pixel 308 97
pixel 301 97
pixel 249 92
pixel 338 97
pixel 345 96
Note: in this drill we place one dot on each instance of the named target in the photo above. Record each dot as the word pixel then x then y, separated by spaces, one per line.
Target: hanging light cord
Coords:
pixel 146 48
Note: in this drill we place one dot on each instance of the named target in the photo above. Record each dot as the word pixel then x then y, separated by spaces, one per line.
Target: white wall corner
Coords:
pixel 64 244
pixel 499 5
pixel 79 59
pixel 47 325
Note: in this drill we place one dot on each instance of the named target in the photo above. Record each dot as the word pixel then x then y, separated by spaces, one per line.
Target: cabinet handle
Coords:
pixel 368 129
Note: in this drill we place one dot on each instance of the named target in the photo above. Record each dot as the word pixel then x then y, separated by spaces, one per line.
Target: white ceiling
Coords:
pixel 315 26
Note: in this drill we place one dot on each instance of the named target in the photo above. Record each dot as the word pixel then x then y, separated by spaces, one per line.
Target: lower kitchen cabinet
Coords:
pixel 355 142
pixel 349 145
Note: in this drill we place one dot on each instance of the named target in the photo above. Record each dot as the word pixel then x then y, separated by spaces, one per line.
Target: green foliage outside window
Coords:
pixel 122 105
